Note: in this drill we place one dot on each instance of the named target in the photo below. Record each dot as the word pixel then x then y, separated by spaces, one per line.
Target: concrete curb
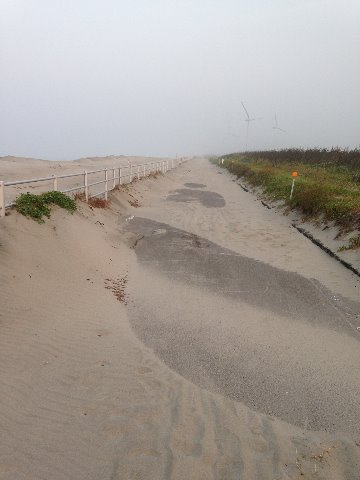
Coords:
pixel 326 249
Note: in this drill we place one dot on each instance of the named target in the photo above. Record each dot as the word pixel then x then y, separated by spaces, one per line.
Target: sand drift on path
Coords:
pixel 219 296
pixel 267 337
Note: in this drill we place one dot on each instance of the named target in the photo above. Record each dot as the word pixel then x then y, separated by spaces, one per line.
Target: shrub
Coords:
pixel 38 206
pixel 59 199
pixel 32 206
pixel 312 156
pixel 311 199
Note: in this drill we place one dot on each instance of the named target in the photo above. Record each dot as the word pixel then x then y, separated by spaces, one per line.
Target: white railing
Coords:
pixel 112 177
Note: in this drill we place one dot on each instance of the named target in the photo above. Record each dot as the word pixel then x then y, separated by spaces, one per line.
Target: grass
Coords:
pixel 94 202
pixel 327 188
pixel 99 202
pixel 354 244
pixel 39 206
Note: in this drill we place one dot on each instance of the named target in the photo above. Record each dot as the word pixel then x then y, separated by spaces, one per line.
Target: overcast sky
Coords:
pixel 160 77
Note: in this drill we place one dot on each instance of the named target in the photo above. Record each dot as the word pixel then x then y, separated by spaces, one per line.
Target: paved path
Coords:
pixel 232 298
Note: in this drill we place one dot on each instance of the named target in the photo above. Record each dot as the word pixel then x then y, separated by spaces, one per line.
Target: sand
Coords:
pixel 84 395
pixel 19 168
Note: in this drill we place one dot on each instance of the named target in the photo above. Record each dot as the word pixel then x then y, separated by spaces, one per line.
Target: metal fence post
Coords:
pixel 55 187
pixel 106 184
pixel 2 199
pixel 86 186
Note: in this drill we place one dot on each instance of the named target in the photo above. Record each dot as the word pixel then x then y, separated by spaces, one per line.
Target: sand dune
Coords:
pixel 82 397
pixel 19 168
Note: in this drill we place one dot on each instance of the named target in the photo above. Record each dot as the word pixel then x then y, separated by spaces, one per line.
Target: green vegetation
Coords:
pixel 327 187
pixel 354 243
pixel 39 206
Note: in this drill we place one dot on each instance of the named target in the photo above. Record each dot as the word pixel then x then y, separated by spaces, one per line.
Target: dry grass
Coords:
pixel 354 244
pixel 154 175
pixel 96 202
pixel 80 196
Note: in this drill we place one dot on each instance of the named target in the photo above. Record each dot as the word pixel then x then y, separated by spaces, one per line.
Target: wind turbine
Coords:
pixel 276 127
pixel 248 119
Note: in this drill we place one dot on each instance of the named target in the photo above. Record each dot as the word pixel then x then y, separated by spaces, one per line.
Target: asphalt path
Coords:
pixel 279 342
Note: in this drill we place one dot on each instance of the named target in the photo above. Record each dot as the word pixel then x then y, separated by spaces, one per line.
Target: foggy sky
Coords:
pixel 160 77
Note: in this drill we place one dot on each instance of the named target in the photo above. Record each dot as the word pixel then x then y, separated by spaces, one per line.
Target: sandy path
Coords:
pixel 82 398
pixel 263 336
pixel 246 227
pixel 276 340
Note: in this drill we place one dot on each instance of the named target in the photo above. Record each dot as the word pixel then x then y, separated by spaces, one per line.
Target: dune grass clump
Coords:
pixel 354 244
pixel 39 206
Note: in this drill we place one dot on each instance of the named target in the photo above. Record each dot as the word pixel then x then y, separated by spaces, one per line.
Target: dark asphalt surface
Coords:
pixel 206 198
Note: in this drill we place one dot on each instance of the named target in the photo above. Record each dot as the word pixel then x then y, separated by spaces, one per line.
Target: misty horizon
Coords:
pixel 91 78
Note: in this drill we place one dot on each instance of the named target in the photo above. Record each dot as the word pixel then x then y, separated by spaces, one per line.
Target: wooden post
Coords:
pixel 138 173
pixel 106 183
pixel 144 169
pixel 292 188
pixel 294 175
pixel 114 185
pixel 130 172
pixel 120 179
pixel 55 187
pixel 2 199
pixel 86 186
